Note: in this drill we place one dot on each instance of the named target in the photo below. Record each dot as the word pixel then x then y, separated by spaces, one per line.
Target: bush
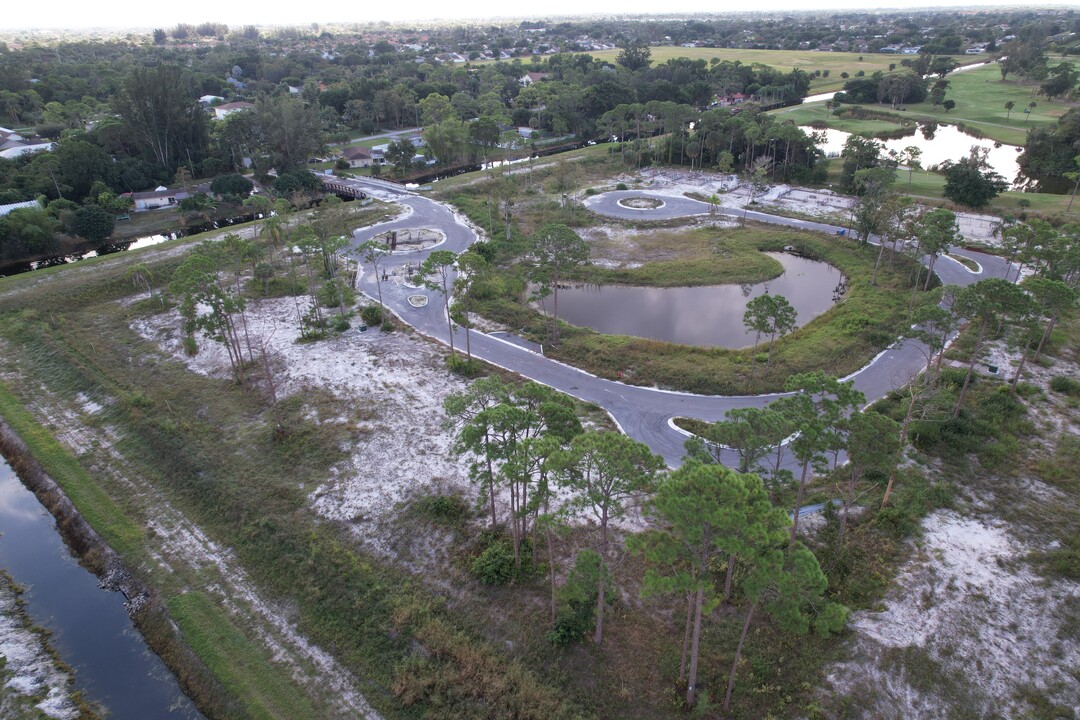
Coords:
pixel 387 326
pixel 577 599
pixel 1065 385
pixel 340 323
pixel 232 185
pixel 336 293
pixel 464 367
pixel 444 509
pixel 495 565
pixel 621 186
pixel 590 191
pixel 372 315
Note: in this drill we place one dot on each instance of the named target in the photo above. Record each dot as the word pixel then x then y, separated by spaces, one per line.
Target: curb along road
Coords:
pixel 641 412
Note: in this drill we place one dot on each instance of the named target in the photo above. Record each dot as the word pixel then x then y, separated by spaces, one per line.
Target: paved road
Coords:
pixel 389 134
pixel 643 413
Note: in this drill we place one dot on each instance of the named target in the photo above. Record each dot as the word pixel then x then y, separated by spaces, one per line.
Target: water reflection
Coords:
pixel 709 316
pixel 89 627
pixel 938 144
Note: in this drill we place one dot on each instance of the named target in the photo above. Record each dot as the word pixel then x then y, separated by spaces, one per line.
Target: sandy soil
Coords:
pixel 970 604
pixel 28 674
pixel 733 193
pixel 970 626
pixel 395 384
pixel 174 540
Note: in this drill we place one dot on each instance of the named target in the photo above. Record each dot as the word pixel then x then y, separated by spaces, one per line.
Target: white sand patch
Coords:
pixel 87 404
pixel 733 193
pixel 28 670
pixel 968 601
pixel 396 382
pixel 174 540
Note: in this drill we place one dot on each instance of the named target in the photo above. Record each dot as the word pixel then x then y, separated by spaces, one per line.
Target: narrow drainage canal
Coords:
pixel 90 629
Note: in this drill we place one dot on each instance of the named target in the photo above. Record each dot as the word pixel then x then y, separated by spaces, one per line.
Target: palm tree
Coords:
pixel 1008 108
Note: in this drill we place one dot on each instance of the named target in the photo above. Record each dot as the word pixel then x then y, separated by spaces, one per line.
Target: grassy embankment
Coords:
pixel 209 447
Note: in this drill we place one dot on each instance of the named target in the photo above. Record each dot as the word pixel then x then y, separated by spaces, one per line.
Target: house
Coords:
pixel 10 153
pixel 357 157
pixel 10 135
pixel 730 99
pixel 5 209
pixel 157 198
pixel 530 77
pixel 223 111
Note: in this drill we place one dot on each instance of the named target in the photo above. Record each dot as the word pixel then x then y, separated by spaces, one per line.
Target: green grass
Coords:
pixel 706 256
pixel 838 341
pixel 95 505
pixel 817 113
pixel 264 689
pixel 834 62
pixel 210 448
pixel 980 97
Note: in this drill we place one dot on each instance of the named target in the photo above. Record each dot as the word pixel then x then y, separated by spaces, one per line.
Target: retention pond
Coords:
pixel 709 316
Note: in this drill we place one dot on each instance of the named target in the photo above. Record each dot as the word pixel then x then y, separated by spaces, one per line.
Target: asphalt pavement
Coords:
pixel 642 413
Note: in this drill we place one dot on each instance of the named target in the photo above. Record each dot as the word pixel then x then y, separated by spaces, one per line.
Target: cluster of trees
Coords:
pixel 893 88
pixel 720 140
pixel 1050 152
pixel 213 284
pixel 525 443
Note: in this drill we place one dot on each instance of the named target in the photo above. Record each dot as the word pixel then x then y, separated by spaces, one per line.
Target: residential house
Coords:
pixel 357 157
pixel 223 111
pixel 158 198
pixel 530 77
pixel 14 150
pixel 5 209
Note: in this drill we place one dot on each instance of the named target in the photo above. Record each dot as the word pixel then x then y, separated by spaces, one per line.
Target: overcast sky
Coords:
pixel 140 13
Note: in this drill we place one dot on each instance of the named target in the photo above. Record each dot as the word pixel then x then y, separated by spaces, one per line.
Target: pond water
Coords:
pixel 946 143
pixel 90 629
pixel 708 316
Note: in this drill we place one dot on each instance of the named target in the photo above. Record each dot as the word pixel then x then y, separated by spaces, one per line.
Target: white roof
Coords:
pixel 15 152
pixel 5 209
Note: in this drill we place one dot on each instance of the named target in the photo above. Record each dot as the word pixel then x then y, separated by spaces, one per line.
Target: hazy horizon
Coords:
pixel 83 16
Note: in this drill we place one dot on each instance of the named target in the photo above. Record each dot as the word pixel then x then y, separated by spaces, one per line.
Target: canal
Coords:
pixel 89 627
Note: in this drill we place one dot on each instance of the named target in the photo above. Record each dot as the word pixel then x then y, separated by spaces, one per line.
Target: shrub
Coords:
pixel 336 293
pixel 444 509
pixel 621 186
pixel 372 315
pixel 387 326
pixel 495 565
pixel 340 323
pixel 590 191
pixel 1065 385
pixel 577 599
pixel 464 367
